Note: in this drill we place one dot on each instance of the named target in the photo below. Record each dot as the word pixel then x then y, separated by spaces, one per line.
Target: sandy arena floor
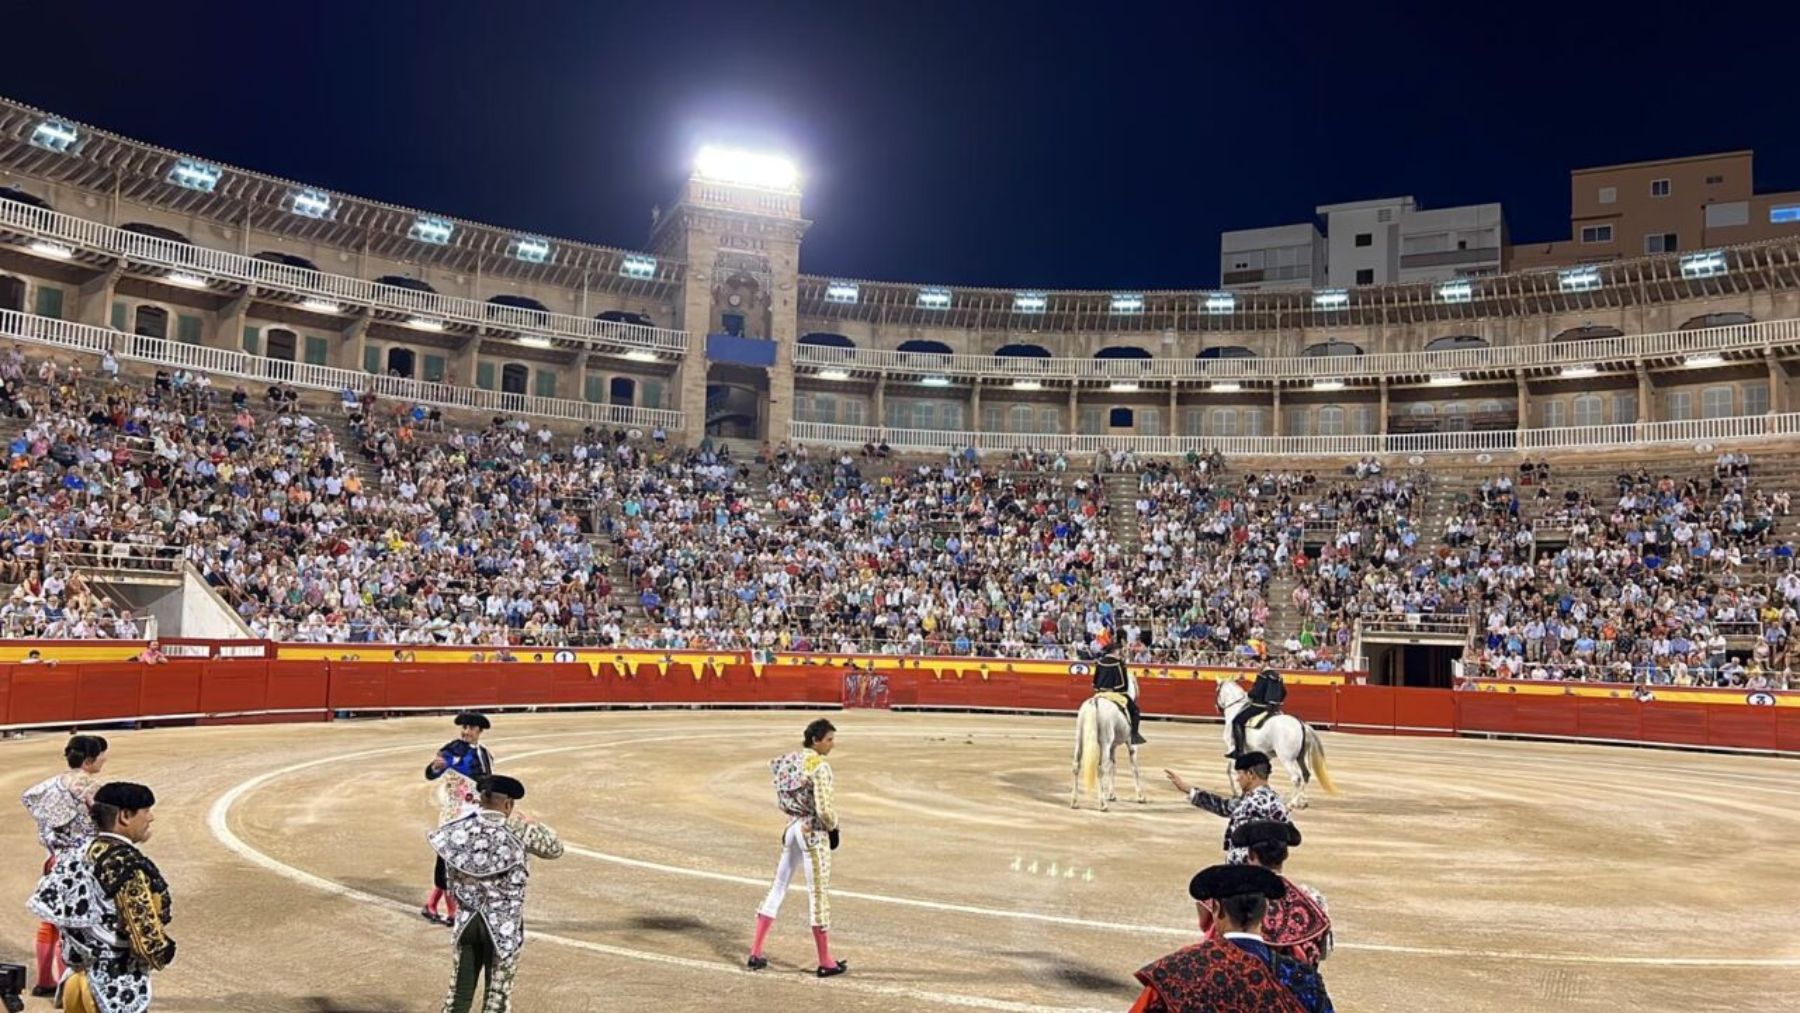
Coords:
pixel 1462 875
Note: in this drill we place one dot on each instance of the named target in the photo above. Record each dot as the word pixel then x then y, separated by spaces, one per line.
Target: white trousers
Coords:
pixel 809 850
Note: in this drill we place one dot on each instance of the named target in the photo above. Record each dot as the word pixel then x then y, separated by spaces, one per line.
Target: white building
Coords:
pixel 1375 242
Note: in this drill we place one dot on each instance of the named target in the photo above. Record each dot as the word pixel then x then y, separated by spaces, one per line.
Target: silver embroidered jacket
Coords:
pixel 60 806
pixel 1259 803
pixel 485 864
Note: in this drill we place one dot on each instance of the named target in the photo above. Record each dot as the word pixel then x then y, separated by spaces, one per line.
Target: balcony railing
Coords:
pixel 81 234
pixel 232 363
pixel 1630 348
pixel 1526 441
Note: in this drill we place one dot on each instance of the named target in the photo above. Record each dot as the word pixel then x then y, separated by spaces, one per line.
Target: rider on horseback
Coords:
pixel 1110 677
pixel 1265 698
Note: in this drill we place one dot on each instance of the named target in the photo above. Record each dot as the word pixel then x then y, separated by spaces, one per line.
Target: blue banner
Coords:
pixel 740 351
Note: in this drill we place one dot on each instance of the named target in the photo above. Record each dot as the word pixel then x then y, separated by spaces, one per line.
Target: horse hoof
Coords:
pixel 1141 800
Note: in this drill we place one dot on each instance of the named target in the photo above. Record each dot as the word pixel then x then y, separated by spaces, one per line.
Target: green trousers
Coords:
pixel 475 956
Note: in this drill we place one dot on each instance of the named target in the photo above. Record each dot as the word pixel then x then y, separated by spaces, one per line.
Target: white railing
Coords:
pixel 40 223
pixel 118 557
pixel 1737 428
pixel 227 362
pixel 1735 337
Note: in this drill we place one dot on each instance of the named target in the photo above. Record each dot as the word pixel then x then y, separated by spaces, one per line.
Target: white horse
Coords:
pixel 1283 736
pixel 1101 727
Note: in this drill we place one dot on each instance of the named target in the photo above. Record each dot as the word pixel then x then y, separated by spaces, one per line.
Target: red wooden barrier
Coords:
pixel 1425 711
pixel 299 686
pixel 174 689
pixel 238 687
pixel 42 695
pixel 1366 707
pixel 5 692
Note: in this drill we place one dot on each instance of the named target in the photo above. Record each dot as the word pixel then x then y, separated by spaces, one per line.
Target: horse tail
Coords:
pixel 1315 751
pixel 1088 734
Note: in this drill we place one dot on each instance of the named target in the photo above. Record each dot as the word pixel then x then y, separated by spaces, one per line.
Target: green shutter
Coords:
pixel 650 394
pixel 546 383
pixel 118 319
pixel 372 359
pixel 253 340
pixel 595 391
pixel 49 302
pixel 187 329
pixel 317 351
pixel 484 375
pixel 434 369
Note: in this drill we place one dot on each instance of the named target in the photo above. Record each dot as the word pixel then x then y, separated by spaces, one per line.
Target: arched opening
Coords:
pixel 925 347
pixel 1324 348
pixel 518 310
pixel 1122 352
pixel 283 344
pixel 1588 333
pixel 12 293
pixel 1226 352
pixel 156 232
pixel 402 281
pixel 825 339
pixel 621 390
pixel 1331 420
pixel 1120 418
pixel 624 317
pixel 1717 320
pixel 13 193
pixel 1022 351
pixel 400 362
pixel 1455 341
pixel 286 260
pixel 515 378
pixel 150 322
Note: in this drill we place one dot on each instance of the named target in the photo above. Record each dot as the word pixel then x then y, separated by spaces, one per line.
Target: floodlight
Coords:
pixel 746 168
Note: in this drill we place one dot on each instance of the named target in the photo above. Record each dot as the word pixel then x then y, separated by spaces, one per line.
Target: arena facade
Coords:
pixel 713 329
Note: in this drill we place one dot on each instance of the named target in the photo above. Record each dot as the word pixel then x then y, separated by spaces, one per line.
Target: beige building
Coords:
pixel 1670 205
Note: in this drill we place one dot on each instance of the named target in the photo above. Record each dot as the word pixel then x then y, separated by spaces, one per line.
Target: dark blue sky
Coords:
pixel 1053 144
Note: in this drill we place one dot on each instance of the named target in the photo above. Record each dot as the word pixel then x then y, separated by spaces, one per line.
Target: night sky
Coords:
pixel 1058 145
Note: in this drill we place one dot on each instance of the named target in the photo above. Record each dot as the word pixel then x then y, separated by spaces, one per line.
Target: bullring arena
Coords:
pixel 1464 875
pixel 294 475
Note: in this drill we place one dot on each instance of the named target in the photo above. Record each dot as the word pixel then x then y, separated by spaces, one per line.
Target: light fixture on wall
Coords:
pixel 185 280
pixel 834 374
pixel 641 355
pixel 1027 385
pixel 1227 388
pixel 321 306
pixel 55 251
pixel 1328 385
pixel 1704 360
pixel 425 324
pixel 1578 372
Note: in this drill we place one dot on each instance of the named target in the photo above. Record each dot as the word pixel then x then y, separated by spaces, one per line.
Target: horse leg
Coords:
pixel 1106 775
pixel 1075 770
pixel 1137 777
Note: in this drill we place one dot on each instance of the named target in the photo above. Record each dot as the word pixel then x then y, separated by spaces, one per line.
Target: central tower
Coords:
pixel 737 225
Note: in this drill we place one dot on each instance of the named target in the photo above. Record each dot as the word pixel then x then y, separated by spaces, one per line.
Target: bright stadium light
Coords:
pixel 1703 265
pixel 1704 360
pixel 746 168
pixel 55 251
pixel 1227 388
pixel 934 298
pixel 186 280
pixel 834 374
pixel 1127 304
pixel 1578 372
pixel 1221 303
pixel 321 306
pixel 1579 279
pixel 1456 292
pixel 843 292
pixel 1124 387
pixel 935 381
pixel 531 249
pixel 195 175
pixel 310 204
pixel 55 135
pixel 638 266
pixel 435 231
pixel 1331 299
pixel 1030 302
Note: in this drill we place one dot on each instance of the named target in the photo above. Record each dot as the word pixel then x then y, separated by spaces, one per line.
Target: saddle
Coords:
pixel 1119 700
pixel 1260 718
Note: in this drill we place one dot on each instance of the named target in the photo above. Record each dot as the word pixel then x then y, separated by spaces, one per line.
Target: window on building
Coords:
pixel 1049 420
pixel 1256 423
pixel 1193 422
pixel 1120 418
pixel 1365 239
pixel 1331 420
pixel 1596 233
pixel 824 408
pixel 1091 419
pixel 1624 409
pixel 990 418
pixel 1297 422
pixel 950 416
pixel 50 302
pixel 1663 242
pixel 1556 413
pixel 1756 399
pixel 1678 404
pixel 1149 422
pixel 1019 419
pixel 1365 420
pixel 1589 410
pixel 1659 188
pixel 1784 214
pixel 1365 276
pixel 1224 422
pixel 1718 402
pixel 1715 179
pixel 922 413
pixel 1456 417
pixel 1609 194
pixel 1423 409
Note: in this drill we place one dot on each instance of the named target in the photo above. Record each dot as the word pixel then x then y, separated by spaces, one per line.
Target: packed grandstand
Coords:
pixel 486 439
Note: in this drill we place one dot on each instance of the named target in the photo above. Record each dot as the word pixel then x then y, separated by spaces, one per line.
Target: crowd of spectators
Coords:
pixel 509 535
